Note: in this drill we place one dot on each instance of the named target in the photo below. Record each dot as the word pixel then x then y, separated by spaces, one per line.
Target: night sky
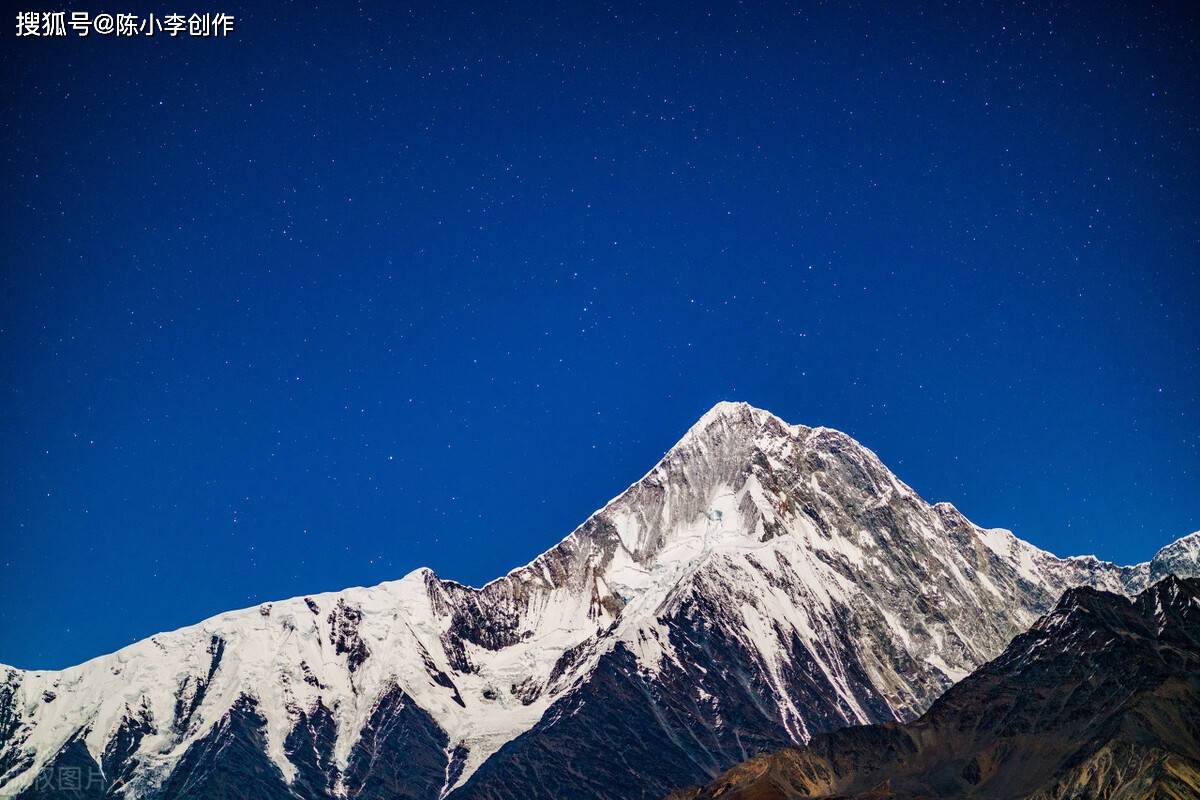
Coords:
pixel 368 288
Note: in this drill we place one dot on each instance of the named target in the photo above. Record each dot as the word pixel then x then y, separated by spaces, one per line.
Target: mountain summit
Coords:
pixel 763 583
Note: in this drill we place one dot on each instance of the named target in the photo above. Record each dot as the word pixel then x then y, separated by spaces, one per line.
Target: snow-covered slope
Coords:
pixel 762 583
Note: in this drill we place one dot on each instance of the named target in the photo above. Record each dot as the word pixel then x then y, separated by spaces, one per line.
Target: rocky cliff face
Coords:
pixel 1100 699
pixel 763 583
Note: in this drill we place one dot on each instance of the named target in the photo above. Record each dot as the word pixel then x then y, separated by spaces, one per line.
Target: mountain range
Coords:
pixel 1100 699
pixel 763 584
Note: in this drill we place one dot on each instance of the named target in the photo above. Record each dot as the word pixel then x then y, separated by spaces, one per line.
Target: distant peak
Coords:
pixel 1172 583
pixel 1172 592
pixel 1182 545
pixel 1191 540
pixel 1181 557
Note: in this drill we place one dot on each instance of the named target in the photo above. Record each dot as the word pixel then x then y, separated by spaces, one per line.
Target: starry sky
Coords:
pixel 370 287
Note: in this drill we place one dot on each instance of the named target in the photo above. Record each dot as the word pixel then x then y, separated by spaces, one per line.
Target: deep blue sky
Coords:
pixel 364 289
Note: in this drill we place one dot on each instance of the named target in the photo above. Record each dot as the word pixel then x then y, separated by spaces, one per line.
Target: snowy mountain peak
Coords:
pixel 734 409
pixel 1180 558
pixel 760 568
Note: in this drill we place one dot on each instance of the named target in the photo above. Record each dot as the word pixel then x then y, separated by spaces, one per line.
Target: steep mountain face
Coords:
pixel 762 584
pixel 1100 699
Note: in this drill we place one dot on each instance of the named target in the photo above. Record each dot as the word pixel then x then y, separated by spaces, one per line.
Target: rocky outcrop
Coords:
pixel 1100 699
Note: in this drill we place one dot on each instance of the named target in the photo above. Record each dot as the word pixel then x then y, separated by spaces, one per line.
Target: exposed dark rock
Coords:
pixel 120 760
pixel 642 735
pixel 14 758
pixel 440 678
pixel 526 691
pixel 401 754
pixel 454 769
pixel 229 762
pixel 309 747
pixel 344 635
pixel 192 689
pixel 72 774
pixel 309 677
